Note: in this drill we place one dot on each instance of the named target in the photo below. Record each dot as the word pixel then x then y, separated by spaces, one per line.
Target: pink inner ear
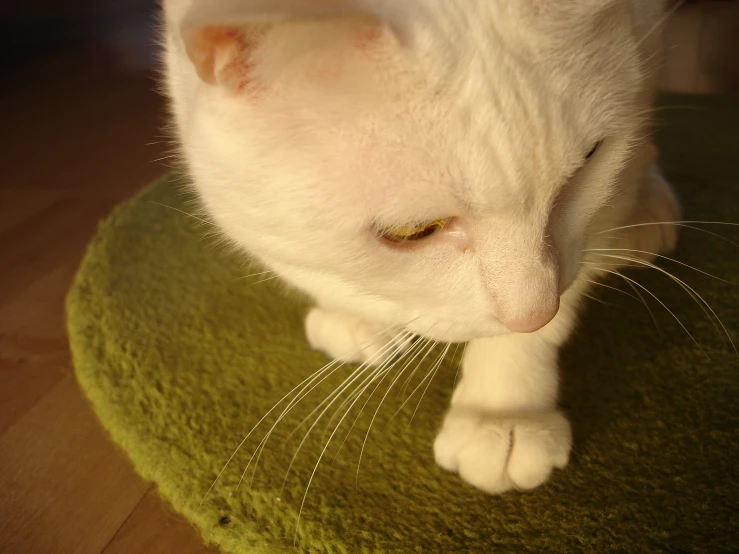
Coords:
pixel 222 54
pixel 368 36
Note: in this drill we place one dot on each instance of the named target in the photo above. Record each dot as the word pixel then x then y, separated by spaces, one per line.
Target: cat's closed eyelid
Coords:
pixel 593 150
pixel 453 231
pixel 410 233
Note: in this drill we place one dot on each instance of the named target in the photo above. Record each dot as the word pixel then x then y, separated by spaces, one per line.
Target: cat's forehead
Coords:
pixel 583 49
pixel 530 79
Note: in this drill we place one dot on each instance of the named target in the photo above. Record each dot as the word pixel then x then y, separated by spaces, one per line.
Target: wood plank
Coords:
pixel 54 236
pixel 71 148
pixel 155 529
pixel 29 369
pixel 20 204
pixel 36 310
pixel 65 487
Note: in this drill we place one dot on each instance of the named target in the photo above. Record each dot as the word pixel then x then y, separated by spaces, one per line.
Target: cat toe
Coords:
pixel 497 454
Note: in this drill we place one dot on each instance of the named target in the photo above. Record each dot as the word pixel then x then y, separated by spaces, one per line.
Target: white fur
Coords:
pixel 479 110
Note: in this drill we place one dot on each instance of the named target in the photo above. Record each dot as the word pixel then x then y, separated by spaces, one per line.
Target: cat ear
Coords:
pixel 227 39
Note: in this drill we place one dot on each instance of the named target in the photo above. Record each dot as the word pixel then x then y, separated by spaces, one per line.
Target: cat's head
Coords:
pixel 435 164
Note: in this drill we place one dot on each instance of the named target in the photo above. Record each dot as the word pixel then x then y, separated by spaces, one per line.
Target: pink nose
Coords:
pixel 534 320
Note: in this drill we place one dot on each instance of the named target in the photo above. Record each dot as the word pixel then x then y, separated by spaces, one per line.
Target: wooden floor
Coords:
pixel 75 140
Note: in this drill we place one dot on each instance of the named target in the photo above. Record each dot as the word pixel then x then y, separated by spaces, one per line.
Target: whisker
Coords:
pixel 433 372
pixel 593 298
pixel 401 392
pixel 691 292
pixel 641 262
pixel 459 365
pixel 612 288
pixel 303 385
pixel 309 379
pixel 165 157
pixel 638 297
pixel 318 462
pixel 182 212
pixel 326 371
pixel 384 396
pixel 659 256
pixel 426 353
pixel 706 231
pixel 339 389
pixel 358 390
pixel 255 274
pixel 336 395
pixel 682 284
pixel 257 454
pixel 614 272
pixel 662 21
pixel 263 280
pixel 678 223
pixel 414 350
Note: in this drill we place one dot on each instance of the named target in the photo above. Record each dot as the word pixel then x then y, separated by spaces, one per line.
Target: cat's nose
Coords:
pixel 535 319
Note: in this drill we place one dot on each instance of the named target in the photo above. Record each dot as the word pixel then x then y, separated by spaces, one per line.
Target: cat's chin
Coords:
pixel 452 332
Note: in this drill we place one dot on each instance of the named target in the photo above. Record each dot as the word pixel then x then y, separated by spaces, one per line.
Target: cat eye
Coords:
pixel 412 232
pixel 592 150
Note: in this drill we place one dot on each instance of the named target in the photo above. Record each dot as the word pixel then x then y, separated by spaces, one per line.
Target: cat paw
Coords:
pixel 496 454
pixel 350 339
pixel 656 204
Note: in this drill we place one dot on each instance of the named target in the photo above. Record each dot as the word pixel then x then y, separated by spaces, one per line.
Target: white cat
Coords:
pixel 437 166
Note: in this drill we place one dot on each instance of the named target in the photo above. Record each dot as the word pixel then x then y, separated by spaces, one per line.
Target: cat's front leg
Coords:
pixel 503 430
pixel 649 232
pixel 348 338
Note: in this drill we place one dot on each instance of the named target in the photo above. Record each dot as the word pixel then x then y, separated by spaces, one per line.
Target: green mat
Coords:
pixel 180 358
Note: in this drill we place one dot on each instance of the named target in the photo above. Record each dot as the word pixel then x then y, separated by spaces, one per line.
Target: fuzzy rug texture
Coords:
pixel 180 357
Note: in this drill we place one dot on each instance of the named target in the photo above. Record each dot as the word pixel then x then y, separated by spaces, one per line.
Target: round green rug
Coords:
pixel 181 357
